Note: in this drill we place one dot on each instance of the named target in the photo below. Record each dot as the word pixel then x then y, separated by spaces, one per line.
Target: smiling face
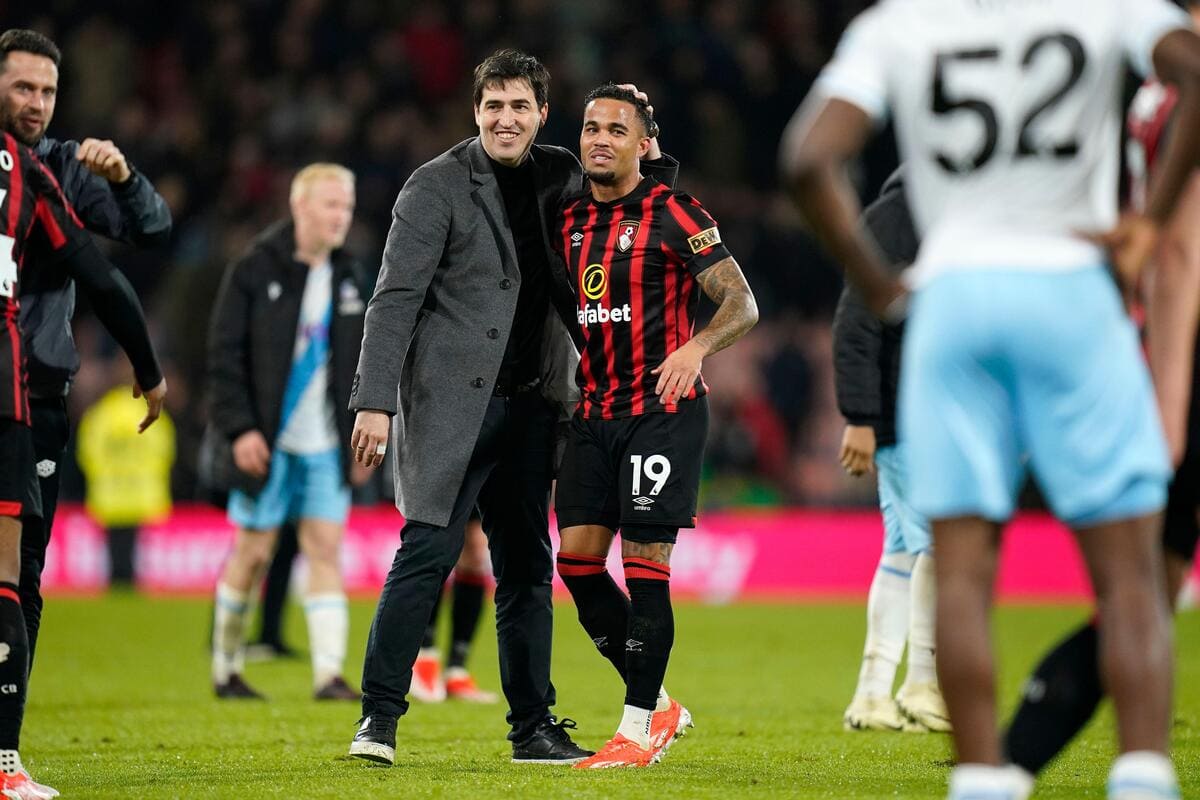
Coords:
pixel 508 118
pixel 612 142
pixel 28 90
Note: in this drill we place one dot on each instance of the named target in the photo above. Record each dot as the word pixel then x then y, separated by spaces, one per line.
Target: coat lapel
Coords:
pixel 486 195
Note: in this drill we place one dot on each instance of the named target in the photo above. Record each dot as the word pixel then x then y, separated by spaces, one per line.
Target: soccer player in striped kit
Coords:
pixel 638 254
pixel 35 217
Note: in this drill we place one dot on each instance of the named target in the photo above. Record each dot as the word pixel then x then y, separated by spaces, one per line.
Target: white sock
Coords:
pixel 922 666
pixel 10 762
pixel 887 625
pixel 328 618
pixel 664 700
pixel 1142 775
pixel 987 782
pixel 635 725
pixel 229 626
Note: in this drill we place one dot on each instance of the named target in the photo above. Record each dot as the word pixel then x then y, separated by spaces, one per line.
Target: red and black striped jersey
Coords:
pixel 33 213
pixel 633 263
pixel 1147 120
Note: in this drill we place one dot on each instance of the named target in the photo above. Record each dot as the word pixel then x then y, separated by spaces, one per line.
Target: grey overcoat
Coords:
pixel 438 323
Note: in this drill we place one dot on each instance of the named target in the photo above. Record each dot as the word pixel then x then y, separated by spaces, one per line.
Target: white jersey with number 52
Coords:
pixel 1007 115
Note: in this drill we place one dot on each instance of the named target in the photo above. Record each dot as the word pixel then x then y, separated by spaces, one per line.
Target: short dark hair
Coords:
pixel 27 41
pixel 611 91
pixel 507 65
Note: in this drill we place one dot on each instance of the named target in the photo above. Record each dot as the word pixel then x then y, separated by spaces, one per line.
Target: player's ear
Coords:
pixel 543 113
pixel 643 146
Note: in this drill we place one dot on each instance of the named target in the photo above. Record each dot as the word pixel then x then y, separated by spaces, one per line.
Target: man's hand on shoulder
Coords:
pixel 105 159
pixel 654 153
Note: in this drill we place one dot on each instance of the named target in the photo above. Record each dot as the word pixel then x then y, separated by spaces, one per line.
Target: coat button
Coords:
pixel 493 333
pixel 506 284
pixel 477 383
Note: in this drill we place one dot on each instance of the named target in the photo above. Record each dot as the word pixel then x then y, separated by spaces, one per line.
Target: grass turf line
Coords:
pixel 121 706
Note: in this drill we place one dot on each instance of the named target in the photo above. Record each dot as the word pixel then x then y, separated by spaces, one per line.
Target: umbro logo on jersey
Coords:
pixel 45 468
pixel 633 646
pixel 576 238
pixel 644 503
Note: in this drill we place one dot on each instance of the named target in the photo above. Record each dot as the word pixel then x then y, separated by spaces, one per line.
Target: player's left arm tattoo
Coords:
pixel 658 552
pixel 737 310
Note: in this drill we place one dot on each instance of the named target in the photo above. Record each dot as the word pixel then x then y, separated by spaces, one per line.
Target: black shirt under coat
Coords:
pixel 522 355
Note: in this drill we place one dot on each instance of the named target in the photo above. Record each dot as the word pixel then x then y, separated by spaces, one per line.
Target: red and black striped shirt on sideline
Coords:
pixel 633 263
pixel 33 213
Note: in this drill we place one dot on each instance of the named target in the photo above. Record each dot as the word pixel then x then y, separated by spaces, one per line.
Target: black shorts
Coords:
pixel 1181 529
pixel 639 475
pixel 19 492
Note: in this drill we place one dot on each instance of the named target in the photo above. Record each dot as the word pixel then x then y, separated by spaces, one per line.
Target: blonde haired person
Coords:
pixel 282 349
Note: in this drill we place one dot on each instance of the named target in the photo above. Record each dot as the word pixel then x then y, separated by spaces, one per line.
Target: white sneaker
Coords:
pixel 981 780
pixel 867 713
pixel 923 703
pixel 1143 775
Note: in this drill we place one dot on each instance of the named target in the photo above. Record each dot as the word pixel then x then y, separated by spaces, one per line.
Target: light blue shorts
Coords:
pixel 1001 366
pixel 904 530
pixel 298 487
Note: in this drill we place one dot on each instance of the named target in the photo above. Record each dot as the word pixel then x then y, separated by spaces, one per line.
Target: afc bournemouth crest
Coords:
pixel 627 235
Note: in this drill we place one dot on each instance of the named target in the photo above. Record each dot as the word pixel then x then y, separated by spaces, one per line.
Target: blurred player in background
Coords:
pixel 902 600
pixel 39 223
pixel 1066 687
pixel 112 199
pixel 1008 121
pixel 282 348
pixel 128 474
pixel 468 592
pixel 638 254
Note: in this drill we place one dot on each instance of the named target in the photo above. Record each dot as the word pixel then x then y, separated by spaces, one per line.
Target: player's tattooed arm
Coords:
pixel 658 552
pixel 737 310
pixel 736 313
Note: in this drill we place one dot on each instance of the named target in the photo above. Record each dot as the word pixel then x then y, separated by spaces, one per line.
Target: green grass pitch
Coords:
pixel 121 707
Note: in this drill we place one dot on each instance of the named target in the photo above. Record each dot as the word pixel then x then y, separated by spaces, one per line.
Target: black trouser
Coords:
pixel 509 476
pixel 51 430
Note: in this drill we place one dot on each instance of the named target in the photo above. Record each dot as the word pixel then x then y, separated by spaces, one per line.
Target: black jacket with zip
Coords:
pixel 252 340
pixel 866 352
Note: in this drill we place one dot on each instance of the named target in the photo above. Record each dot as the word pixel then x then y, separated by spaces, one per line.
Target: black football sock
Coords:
pixel 651 631
pixel 431 628
pixel 603 608
pixel 13 667
pixel 465 609
pixel 1058 700
pixel 275 587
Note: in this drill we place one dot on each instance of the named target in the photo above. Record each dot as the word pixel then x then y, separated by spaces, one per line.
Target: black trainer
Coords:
pixel 376 739
pixel 549 744
pixel 337 689
pixel 236 689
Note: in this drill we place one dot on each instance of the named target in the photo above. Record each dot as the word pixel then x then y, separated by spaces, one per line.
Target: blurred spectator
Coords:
pixel 128 474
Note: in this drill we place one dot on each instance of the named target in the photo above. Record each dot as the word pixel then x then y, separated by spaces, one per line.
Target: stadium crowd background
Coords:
pixel 220 102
